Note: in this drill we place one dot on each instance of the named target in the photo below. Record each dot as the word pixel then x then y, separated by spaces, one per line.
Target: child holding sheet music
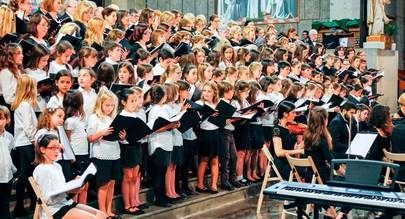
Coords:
pixel 227 155
pixel 49 177
pixel 210 141
pixel 242 132
pixel 75 128
pixel 177 156
pixel 160 144
pixel 131 155
pixel 106 153
pixel 256 134
pixel 25 127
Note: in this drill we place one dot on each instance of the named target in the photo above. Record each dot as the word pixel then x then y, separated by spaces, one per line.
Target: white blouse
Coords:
pixel 25 124
pixel 102 149
pixel 89 101
pixel 7 168
pixel 173 110
pixel 163 140
pixel 8 85
pixel 78 137
pixel 49 178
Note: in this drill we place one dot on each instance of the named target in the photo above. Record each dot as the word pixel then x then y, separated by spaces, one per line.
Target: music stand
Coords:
pixel 363 174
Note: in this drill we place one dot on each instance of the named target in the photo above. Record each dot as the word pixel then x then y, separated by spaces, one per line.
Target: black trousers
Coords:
pixel 189 148
pixel 26 155
pixel 161 160
pixel 5 193
pixel 227 158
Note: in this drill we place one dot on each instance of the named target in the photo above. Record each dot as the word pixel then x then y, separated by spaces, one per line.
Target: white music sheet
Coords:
pixel 361 144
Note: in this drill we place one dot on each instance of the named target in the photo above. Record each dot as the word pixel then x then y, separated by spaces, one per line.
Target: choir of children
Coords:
pixel 239 94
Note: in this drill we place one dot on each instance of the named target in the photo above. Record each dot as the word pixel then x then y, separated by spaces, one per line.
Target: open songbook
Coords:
pixel 76 183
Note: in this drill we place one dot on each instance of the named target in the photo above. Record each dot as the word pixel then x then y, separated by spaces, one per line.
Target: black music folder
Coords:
pixel 225 110
pixel 75 41
pixel 157 49
pixel 120 87
pixel 9 38
pixel 266 104
pixel 206 111
pixel 161 122
pixel 335 100
pixel 194 106
pixel 44 82
pixel 135 128
pixel 188 120
pixel 182 49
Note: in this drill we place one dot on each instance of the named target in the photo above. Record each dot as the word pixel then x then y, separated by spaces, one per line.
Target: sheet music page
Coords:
pixel 76 183
pixel 361 144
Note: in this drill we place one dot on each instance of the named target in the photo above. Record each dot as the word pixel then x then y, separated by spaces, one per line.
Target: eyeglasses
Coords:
pixel 54 148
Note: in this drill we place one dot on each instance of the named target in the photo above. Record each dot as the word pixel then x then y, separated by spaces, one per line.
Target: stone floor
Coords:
pixel 271 209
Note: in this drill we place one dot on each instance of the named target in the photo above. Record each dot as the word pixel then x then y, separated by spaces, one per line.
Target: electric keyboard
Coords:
pixel 338 196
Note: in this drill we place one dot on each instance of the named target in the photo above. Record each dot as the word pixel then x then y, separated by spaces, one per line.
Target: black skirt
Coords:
pixel 107 170
pixel 267 131
pixel 210 141
pixel 131 155
pixel 177 157
pixel 63 211
pixel 161 158
pixel 256 136
pixel 242 136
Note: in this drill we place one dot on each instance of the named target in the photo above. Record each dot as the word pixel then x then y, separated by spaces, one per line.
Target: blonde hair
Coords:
pixel 171 91
pixel 95 31
pixel 401 99
pixel 26 91
pixel 247 31
pixel 166 17
pixel 242 69
pixel 254 66
pixel 104 95
pixel 8 19
pixel 82 7
pixel 169 70
pixel 67 29
pixel 214 87
pixel 233 30
pixel 201 70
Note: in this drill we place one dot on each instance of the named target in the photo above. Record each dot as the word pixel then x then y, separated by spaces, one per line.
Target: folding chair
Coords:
pixel 41 203
pixel 294 175
pixel 267 176
pixel 392 157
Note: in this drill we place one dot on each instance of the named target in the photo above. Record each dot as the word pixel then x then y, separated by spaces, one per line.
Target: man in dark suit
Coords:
pixel 339 130
pixel 313 38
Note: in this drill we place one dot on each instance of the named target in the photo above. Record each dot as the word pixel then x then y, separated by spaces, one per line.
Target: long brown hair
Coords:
pixel 317 128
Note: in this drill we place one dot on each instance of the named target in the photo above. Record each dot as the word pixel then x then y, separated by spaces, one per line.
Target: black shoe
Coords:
pixel 235 184
pixel 137 212
pixel 213 191
pixel 143 206
pixel 203 190
pixel 20 212
pixel 227 186
pixel 163 204
pixel 183 195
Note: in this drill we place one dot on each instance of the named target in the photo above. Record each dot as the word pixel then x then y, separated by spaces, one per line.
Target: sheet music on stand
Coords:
pixel 361 144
